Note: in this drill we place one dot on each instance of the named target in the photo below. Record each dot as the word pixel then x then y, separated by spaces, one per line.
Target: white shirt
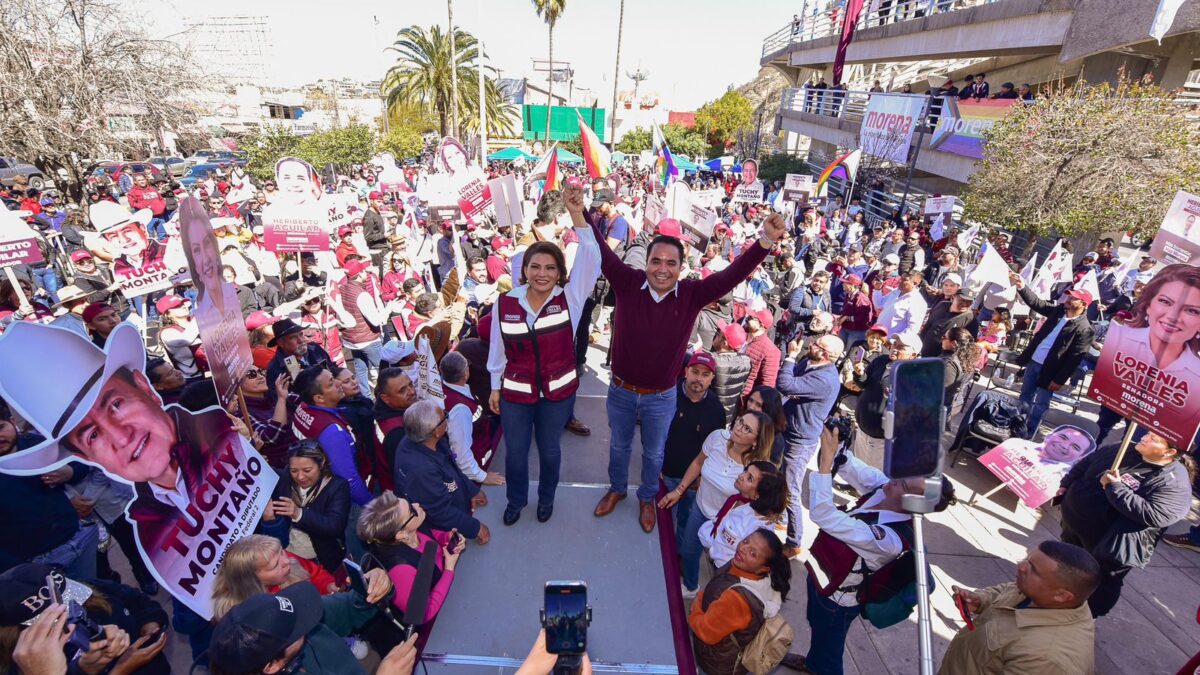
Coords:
pixel 177 497
pixel 654 294
pixel 876 545
pixel 903 313
pixel 738 524
pixel 718 474
pixel 583 276
pixel 459 421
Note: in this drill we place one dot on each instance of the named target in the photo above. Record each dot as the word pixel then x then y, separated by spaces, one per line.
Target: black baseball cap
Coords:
pixel 257 630
pixel 283 328
pixel 603 196
pixel 24 592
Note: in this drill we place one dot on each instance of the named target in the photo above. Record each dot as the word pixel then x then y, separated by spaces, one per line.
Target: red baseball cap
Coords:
pixel 764 316
pixel 94 310
pixel 1081 294
pixel 344 230
pixel 499 242
pixel 375 195
pixel 734 334
pixel 853 280
pixel 878 328
pixel 670 227
pixel 703 359
pixel 169 302
pixel 80 255
pixel 355 267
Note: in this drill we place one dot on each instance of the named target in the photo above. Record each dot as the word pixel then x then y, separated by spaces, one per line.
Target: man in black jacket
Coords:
pixel 954 312
pixel 1055 350
pixel 374 230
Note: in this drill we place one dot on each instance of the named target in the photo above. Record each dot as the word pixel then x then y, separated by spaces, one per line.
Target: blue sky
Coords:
pixel 693 49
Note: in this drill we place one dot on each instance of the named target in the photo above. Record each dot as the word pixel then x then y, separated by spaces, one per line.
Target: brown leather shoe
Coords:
pixel 607 503
pixel 578 428
pixel 791 552
pixel 646 516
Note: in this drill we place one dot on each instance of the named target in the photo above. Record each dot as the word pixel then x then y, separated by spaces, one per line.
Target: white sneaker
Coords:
pixel 687 593
pixel 358 647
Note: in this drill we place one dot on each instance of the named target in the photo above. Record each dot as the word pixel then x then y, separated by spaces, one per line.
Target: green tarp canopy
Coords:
pixel 687 165
pixel 569 157
pixel 510 154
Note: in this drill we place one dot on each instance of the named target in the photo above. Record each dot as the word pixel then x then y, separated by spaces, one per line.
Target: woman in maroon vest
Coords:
pixel 532 355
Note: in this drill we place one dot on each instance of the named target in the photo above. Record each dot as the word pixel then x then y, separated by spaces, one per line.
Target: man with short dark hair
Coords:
pixel 808 301
pixel 394 394
pixel 656 303
pixel 318 418
pixel 1041 621
pixel 1007 91
pixel 698 413
pixel 954 312
pixel 764 355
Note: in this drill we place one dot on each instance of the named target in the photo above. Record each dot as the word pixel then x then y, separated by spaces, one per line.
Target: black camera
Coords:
pixel 844 426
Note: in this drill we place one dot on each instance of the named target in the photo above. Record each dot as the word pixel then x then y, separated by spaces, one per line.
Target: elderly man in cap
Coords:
pixel 810 387
pixel 1057 348
pixel 96 280
pixel 291 347
pixel 104 411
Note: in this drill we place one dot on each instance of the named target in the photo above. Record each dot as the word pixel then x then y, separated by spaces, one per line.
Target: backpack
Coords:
pixel 770 644
pixel 888 595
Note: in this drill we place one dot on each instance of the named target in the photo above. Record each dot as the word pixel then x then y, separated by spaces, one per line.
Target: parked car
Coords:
pixel 11 167
pixel 175 166
pixel 197 173
pixel 104 172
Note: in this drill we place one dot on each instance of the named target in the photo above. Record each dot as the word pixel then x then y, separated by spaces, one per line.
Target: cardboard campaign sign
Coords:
pixel 217 310
pixel 654 211
pixel 697 223
pixel 1178 240
pixel 797 188
pixel 506 199
pixel 198 485
pixel 1149 370
pixel 709 198
pixel 295 220
pixel 18 242
pixel 463 178
pixel 144 265
pixel 939 215
pixel 751 193
pixel 1033 471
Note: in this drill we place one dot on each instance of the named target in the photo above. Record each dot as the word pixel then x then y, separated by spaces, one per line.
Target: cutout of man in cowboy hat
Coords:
pixel 101 409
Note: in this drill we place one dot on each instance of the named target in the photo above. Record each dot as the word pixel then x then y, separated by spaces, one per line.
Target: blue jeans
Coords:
pixel 796 458
pixel 829 623
pixel 691 549
pixel 157 228
pixel 522 424
pixel 624 409
pixel 47 278
pixel 1037 397
pixel 365 361
pixel 77 555
pixel 683 509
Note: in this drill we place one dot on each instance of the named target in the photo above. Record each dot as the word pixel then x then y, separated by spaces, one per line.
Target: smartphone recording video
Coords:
pixel 915 419
pixel 566 617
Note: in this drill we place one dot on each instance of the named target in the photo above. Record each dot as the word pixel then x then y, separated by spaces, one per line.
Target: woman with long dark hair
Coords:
pixel 532 359
pixel 768 401
pixel 961 354
pixel 316 502
pixel 746 592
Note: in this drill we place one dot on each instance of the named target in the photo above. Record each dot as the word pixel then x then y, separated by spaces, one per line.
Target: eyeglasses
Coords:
pixel 745 428
pixel 413 509
pixel 255 373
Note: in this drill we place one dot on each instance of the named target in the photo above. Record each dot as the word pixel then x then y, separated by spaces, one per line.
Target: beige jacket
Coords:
pixel 1030 641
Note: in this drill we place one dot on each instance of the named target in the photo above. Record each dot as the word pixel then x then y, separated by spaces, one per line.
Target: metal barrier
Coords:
pixel 818 23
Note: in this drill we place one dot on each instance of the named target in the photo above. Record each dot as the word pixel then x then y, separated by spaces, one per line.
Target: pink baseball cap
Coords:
pixel 258 318
pixel 734 334
pixel 355 267
pixel 670 227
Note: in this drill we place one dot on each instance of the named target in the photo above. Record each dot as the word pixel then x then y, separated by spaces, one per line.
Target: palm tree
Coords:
pixel 612 122
pixel 550 11
pixel 453 73
pixel 422 77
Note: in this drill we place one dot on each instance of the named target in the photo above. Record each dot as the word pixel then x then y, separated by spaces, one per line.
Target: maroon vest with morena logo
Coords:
pixel 454 398
pixel 541 358
pixel 309 422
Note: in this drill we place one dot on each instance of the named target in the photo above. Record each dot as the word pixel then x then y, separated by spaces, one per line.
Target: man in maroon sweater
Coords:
pixel 143 195
pixel 653 320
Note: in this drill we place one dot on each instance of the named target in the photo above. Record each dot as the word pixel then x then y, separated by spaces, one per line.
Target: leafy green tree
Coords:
pixel 402 141
pixel 421 78
pixel 264 147
pixel 342 147
pixel 776 166
pixel 1086 160
pixel 722 119
pixel 680 139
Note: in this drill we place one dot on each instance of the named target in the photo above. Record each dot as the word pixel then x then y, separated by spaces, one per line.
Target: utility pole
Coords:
pixel 612 122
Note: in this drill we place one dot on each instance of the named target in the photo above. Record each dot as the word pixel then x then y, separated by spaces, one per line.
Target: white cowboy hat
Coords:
pixel 34 354
pixel 70 293
pixel 106 215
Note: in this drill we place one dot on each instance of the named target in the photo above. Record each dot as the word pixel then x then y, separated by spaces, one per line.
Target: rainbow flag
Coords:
pixel 845 166
pixel 595 156
pixel 552 177
pixel 665 164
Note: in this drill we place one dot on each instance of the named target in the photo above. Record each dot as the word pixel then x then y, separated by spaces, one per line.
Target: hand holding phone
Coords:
pixel 960 601
pixel 292 364
pixel 566 617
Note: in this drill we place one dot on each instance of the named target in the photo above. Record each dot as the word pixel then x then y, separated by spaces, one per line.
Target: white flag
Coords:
pixel 1164 16
pixel 937 228
pixel 1089 284
pixel 991 268
pixel 1029 269
pixel 965 239
pixel 1055 270
pixel 429 378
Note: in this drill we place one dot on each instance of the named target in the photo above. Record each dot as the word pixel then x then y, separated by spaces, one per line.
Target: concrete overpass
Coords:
pixel 1031 41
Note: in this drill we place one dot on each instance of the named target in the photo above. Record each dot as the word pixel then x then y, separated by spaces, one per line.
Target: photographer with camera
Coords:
pixel 99 619
pixel 853 551
pixel 391 526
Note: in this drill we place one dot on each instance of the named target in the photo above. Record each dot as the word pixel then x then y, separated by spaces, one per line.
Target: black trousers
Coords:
pixel 122 532
pixel 1112 579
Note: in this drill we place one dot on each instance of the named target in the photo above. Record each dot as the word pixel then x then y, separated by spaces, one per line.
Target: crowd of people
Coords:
pixel 735 363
